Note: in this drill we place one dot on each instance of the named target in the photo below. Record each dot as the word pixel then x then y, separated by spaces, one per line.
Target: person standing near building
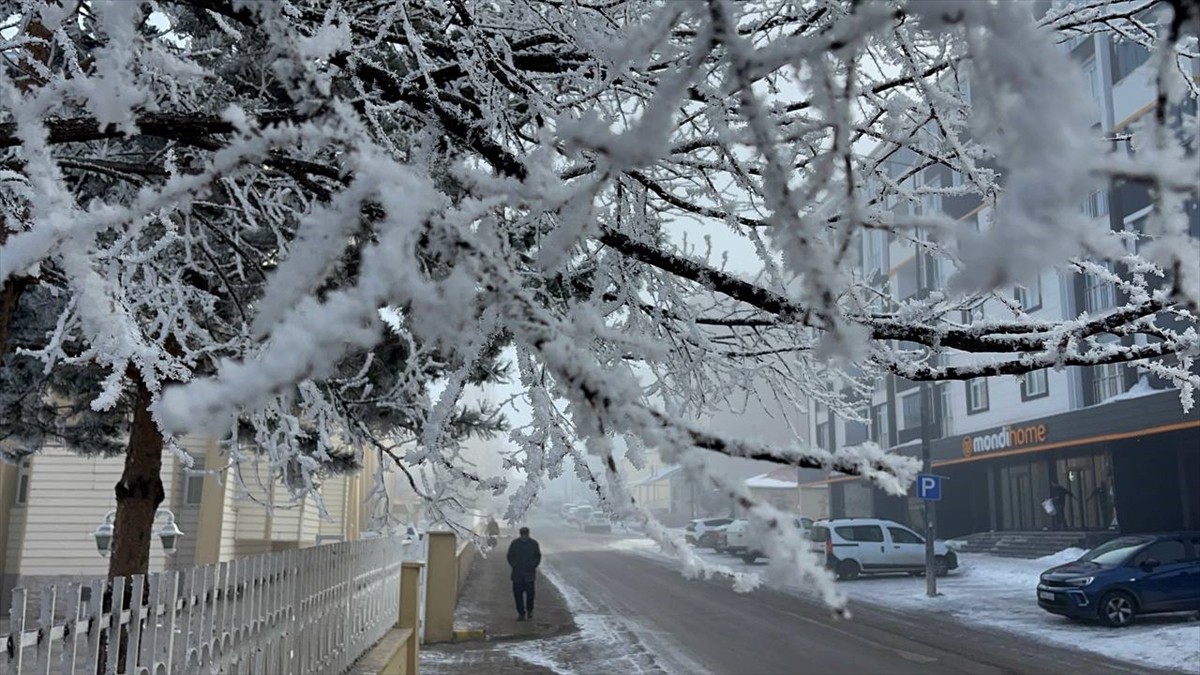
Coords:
pixel 524 556
pixel 1058 497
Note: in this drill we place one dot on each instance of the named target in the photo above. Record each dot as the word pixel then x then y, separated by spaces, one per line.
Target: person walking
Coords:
pixel 524 556
pixel 493 533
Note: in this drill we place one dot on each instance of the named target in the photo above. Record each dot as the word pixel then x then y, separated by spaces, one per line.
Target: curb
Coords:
pixel 468 634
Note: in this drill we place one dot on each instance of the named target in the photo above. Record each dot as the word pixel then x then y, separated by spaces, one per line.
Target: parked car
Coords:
pixel 695 528
pixel 597 522
pixel 565 510
pixel 580 514
pixel 733 536
pixel 856 546
pixel 746 541
pixel 713 537
pixel 1123 578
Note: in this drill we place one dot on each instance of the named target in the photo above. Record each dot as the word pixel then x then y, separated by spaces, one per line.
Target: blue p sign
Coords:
pixel 929 487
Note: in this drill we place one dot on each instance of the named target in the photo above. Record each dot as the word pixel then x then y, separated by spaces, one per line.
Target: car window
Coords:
pixel 806 522
pixel 871 533
pixel 717 522
pixel 1114 552
pixel 1166 552
pixel 867 533
pixel 819 533
pixel 903 536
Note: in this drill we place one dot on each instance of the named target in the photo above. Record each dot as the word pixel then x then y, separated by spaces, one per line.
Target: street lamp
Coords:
pixel 168 533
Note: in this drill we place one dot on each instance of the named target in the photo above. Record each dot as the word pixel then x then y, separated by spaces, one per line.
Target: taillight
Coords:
pixel 829 547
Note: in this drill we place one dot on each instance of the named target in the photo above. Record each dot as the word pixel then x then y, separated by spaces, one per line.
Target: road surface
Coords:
pixel 692 625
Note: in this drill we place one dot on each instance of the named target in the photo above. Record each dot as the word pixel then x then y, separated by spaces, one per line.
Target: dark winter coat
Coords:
pixel 524 556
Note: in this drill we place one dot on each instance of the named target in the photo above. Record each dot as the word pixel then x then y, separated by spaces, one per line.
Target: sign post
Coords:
pixel 929 489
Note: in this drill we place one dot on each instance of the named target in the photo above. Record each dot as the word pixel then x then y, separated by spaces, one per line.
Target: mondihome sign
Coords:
pixel 1012 436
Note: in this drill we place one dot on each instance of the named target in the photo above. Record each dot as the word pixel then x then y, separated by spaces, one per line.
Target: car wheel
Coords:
pixel 1117 609
pixel 848 570
pixel 749 557
pixel 941 566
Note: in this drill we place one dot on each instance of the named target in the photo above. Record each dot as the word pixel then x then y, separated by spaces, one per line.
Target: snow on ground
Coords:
pixel 999 593
pixel 605 643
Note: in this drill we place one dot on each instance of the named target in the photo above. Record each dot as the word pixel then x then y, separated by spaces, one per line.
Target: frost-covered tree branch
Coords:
pixel 318 224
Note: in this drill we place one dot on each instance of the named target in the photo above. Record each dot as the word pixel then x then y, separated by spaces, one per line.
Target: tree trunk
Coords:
pixel 139 492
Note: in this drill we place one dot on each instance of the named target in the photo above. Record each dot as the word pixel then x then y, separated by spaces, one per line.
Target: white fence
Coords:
pixel 313 610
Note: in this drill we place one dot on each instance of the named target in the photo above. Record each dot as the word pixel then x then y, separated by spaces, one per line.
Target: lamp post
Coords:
pixel 168 533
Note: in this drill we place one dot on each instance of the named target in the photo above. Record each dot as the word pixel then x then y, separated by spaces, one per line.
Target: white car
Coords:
pixel 856 546
pixel 695 529
pixel 597 522
pixel 745 540
pixel 580 514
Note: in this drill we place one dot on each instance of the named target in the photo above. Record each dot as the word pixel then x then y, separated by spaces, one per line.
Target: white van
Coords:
pixel 855 546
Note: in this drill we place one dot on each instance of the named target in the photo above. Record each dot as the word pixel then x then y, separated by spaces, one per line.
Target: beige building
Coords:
pixel 52 503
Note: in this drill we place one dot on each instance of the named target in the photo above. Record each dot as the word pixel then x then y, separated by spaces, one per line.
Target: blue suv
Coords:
pixel 1131 575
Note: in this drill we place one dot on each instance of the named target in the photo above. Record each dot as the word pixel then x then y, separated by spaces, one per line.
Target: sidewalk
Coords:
pixel 487 604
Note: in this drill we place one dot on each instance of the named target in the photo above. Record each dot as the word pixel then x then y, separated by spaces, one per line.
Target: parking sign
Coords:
pixel 929 487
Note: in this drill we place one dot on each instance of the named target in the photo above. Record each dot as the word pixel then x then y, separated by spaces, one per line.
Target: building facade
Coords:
pixel 52 503
pixel 1114 436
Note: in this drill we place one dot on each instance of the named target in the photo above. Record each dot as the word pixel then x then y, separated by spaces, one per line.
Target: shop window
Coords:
pixel 1035 385
pixel 823 436
pixel 977 395
pixel 23 477
pixel 1030 296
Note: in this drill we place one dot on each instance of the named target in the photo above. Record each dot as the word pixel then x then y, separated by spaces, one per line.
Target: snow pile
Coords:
pixel 1062 557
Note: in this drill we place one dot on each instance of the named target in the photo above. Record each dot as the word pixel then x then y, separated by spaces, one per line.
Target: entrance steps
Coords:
pixel 1033 544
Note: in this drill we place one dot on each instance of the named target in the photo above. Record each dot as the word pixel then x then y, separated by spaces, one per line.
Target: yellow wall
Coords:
pixel 68 498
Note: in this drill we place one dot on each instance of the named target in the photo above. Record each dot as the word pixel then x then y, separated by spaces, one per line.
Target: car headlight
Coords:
pixel 1081 581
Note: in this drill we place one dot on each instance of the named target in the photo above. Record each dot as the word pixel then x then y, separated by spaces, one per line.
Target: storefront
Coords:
pixel 1131 465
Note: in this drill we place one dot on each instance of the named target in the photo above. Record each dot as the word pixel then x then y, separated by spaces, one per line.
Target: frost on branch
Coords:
pixel 311 228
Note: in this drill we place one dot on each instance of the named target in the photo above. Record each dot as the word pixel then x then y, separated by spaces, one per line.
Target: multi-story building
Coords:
pixel 1114 436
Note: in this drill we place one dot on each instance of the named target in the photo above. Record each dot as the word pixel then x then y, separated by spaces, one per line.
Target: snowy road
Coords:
pixel 691 626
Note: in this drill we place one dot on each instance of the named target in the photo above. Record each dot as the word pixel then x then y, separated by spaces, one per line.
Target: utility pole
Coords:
pixel 927 505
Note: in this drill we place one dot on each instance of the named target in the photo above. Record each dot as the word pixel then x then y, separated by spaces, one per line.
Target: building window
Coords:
pixel 1108 381
pixel 907 280
pixel 1126 57
pixel 881 425
pixel 875 252
pixel 193 488
pixel 1096 204
pixel 910 408
pixel 1030 296
pixel 977 395
pixel 1091 75
pixel 1099 293
pixel 823 436
pixel 23 477
pixel 1035 385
